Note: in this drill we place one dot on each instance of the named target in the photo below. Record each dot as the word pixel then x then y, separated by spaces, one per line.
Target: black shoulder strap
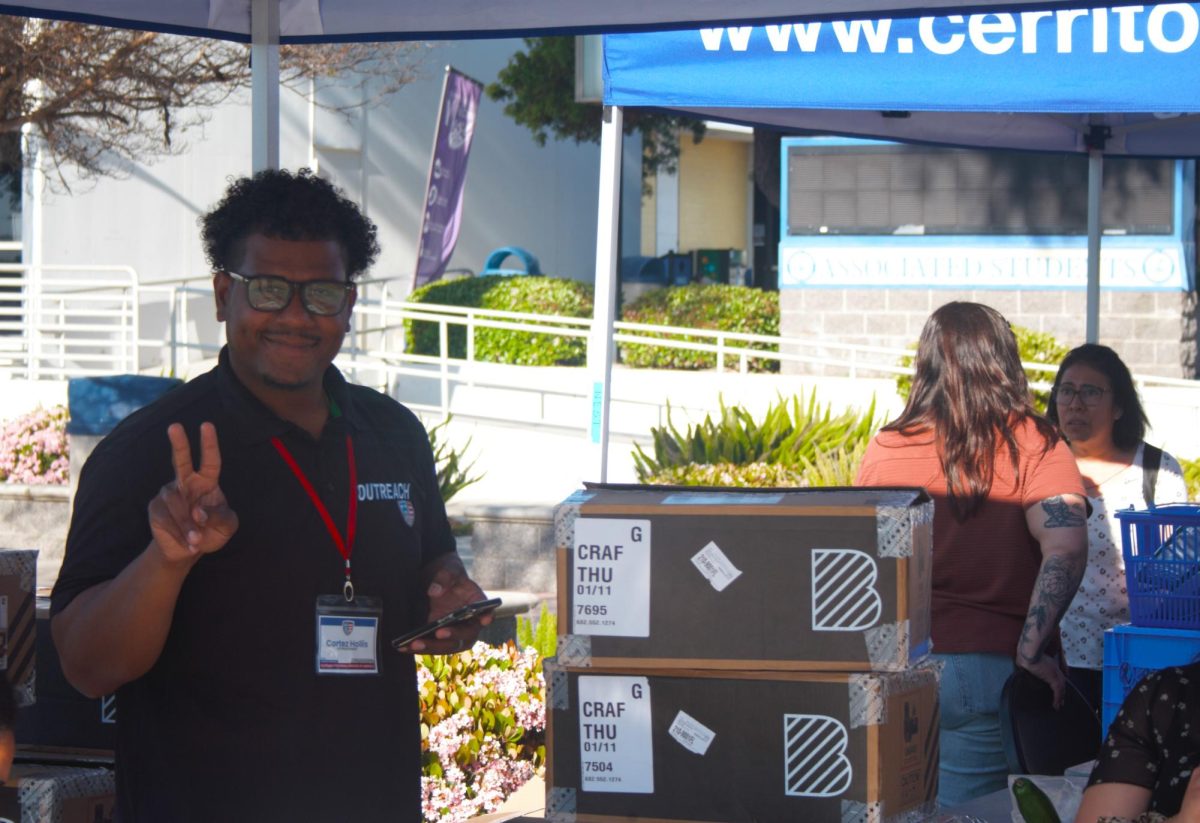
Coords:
pixel 1151 459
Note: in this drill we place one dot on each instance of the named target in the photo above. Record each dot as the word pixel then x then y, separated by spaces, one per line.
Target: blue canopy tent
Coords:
pixel 268 23
pixel 1123 81
pixel 320 21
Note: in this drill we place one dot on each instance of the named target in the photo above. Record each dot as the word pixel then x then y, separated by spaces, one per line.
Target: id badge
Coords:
pixel 348 634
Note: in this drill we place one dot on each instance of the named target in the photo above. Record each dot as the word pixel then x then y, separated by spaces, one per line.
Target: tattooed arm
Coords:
pixel 1059 524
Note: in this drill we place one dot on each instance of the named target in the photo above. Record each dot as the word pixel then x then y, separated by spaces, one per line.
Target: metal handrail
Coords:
pixel 63 335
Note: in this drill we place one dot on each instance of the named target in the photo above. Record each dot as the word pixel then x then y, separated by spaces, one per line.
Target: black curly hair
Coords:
pixel 289 206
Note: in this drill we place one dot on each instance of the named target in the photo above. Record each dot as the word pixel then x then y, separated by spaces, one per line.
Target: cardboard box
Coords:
pixel 18 582
pixel 663 744
pixel 42 793
pixel 62 718
pixel 801 580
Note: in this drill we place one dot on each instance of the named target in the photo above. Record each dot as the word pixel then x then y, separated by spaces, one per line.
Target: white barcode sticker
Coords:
pixel 715 566
pixel 691 733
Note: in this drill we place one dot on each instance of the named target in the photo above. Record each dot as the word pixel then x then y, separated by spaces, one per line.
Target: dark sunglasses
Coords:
pixel 269 292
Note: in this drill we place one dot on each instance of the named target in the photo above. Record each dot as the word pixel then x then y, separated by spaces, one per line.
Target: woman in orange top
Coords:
pixel 1009 538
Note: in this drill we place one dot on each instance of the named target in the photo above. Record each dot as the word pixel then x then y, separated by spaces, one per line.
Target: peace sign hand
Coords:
pixel 189 517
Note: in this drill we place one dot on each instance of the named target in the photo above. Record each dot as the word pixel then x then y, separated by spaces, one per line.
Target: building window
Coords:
pixel 890 189
pixel 11 313
pixel 10 188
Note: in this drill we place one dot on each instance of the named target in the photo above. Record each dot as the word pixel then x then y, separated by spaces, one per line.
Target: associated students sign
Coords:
pixel 1130 58
pixel 1144 267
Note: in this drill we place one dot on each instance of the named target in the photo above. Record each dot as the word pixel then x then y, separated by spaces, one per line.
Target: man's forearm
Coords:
pixel 449 561
pixel 114 632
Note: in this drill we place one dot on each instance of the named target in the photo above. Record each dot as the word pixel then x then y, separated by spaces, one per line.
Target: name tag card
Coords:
pixel 347 635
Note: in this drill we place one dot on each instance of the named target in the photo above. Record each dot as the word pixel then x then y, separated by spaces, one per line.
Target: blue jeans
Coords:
pixel 972 759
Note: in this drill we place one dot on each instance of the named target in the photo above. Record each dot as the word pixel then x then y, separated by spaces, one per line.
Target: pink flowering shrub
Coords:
pixel 483 728
pixel 33 448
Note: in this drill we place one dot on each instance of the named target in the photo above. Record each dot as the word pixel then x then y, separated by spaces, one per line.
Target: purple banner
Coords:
pixel 447 174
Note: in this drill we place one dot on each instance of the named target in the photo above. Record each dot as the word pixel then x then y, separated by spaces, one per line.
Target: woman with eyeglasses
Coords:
pixel 1096 406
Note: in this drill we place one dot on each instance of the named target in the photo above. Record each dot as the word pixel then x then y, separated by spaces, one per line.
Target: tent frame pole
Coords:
pixel 1095 187
pixel 1096 139
pixel 600 341
pixel 264 84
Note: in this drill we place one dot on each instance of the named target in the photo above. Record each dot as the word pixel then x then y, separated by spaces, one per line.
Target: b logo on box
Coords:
pixel 814 756
pixel 844 598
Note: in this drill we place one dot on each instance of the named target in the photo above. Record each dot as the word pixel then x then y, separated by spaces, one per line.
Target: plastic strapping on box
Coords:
pixel 22 562
pixel 41 793
pixel 894 525
pixel 560 805
pixel 22 624
pixel 910 679
pixel 855 811
pixel 868 700
pixel 869 691
pixel 888 645
pixel 556 680
pixel 919 814
pixel 564 522
pixel 574 650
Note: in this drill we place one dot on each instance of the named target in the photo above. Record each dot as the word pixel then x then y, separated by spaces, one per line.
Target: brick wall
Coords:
pixel 1154 332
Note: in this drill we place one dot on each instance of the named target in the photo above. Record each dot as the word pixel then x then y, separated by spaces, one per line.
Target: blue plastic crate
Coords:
pixel 1131 652
pixel 1162 565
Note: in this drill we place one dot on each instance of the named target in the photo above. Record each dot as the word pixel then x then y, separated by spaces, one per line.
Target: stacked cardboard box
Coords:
pixel 742 655
pixel 43 793
pixel 18 583
pixel 63 721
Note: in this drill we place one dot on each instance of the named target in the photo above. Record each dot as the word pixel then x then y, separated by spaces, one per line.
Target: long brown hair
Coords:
pixel 969 392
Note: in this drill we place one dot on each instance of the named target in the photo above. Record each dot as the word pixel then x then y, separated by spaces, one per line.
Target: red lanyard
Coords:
pixel 344 547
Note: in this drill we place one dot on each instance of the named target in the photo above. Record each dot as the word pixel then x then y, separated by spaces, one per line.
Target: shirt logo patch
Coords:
pixel 406 510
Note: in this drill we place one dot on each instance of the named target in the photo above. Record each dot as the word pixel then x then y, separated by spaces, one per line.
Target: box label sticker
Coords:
pixel 691 733
pixel 611 577
pixel 616 750
pixel 721 499
pixel 715 566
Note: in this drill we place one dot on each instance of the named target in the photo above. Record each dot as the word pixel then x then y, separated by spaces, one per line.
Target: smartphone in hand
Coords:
pixel 459 615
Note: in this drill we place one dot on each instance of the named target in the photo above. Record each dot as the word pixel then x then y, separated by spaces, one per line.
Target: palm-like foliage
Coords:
pixel 800 435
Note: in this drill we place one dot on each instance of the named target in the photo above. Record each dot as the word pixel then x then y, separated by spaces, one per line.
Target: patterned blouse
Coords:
pixel 1102 600
pixel 1152 742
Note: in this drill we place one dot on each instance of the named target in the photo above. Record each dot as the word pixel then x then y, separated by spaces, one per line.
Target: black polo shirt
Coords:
pixel 232 722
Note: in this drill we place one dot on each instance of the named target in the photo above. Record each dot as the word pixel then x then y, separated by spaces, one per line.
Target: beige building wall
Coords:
pixel 713 177
pixel 1154 332
pixel 649 224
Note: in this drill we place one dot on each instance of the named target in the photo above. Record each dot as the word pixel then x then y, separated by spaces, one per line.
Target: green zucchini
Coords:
pixel 1032 802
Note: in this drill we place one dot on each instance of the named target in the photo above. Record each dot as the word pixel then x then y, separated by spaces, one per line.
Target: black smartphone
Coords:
pixel 467 612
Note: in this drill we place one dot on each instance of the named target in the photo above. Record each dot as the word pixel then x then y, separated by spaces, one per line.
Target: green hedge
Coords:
pixel 718 307
pixel 838 467
pixel 531 294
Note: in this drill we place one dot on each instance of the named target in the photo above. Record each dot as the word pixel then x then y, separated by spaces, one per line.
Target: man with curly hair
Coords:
pixel 243 609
